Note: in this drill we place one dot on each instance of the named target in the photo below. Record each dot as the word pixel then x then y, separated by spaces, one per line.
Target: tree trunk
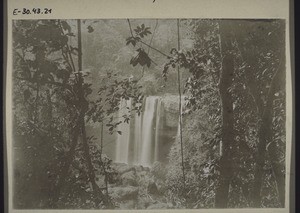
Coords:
pixel 226 79
pixel 66 166
pixel 180 115
pixel 98 195
pixel 107 198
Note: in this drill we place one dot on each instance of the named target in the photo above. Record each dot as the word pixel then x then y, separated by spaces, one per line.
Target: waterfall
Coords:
pixel 147 131
pixel 123 140
pixel 159 111
pixel 140 139
pixel 137 138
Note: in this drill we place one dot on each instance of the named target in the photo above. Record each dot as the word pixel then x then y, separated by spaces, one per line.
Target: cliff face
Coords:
pixel 171 110
pixel 169 126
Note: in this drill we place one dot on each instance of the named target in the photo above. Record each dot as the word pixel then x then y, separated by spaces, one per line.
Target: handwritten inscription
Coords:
pixel 28 11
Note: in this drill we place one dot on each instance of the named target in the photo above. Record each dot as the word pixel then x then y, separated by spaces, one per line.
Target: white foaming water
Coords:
pixel 159 112
pixel 123 140
pixel 137 138
pixel 147 131
pixel 143 142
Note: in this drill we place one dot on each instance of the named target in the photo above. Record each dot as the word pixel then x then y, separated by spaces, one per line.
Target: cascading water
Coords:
pixel 140 140
pixel 158 127
pixel 137 138
pixel 123 140
pixel 147 131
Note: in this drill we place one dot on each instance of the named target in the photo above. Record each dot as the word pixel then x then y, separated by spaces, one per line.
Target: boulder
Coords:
pixel 122 167
pixel 129 179
pixel 139 168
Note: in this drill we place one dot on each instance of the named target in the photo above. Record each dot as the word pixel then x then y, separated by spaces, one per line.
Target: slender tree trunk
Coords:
pixel 98 195
pixel 66 166
pixel 104 170
pixel 180 114
pixel 91 170
pixel 103 167
pixel 226 79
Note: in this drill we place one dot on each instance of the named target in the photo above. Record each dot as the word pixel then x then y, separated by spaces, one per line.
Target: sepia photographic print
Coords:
pixel 149 114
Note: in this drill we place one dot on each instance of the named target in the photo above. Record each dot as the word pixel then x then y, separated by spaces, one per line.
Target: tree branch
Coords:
pixel 130 28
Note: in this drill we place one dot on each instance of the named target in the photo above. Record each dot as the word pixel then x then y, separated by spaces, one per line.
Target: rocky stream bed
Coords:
pixel 139 187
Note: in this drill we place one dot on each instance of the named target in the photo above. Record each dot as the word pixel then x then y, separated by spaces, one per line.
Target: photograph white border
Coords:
pixel 120 9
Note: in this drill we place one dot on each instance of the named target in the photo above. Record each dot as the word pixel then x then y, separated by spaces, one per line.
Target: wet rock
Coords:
pixel 123 167
pixel 139 168
pixel 129 178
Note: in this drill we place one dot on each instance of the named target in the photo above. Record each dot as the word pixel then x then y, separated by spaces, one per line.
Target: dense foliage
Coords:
pixel 232 76
pixel 257 52
pixel 51 103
